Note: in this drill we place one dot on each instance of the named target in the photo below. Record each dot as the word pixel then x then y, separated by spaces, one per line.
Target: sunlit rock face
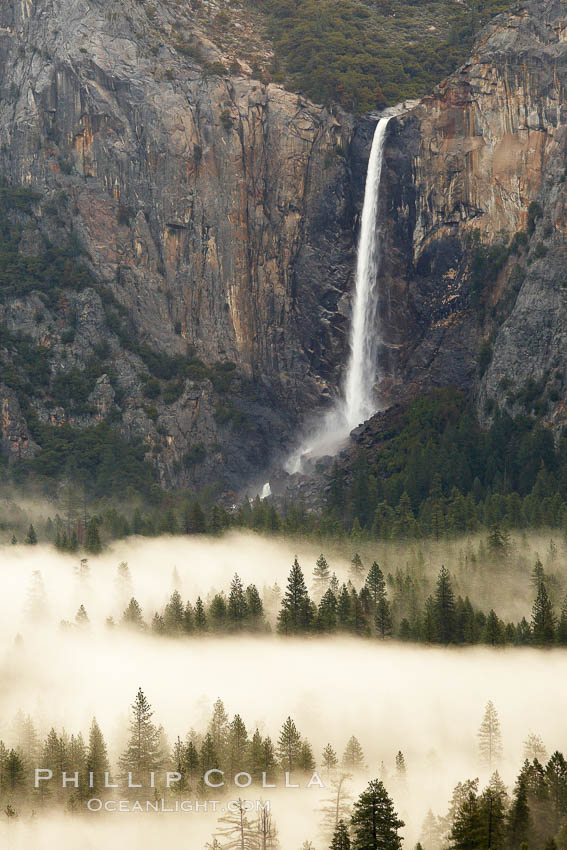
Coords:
pixel 465 165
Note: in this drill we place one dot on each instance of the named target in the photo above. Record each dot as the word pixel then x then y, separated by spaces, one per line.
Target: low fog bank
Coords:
pixel 428 703
pixel 204 565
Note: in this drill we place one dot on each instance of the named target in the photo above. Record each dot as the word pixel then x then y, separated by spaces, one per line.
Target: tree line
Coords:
pixel 368 605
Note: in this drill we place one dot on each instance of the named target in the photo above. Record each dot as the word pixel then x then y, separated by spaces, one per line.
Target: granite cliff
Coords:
pixel 207 222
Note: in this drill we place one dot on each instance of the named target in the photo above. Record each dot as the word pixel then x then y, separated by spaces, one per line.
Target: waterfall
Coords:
pixel 357 402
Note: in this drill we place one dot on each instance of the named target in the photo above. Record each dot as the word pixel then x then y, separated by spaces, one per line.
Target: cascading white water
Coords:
pixel 357 402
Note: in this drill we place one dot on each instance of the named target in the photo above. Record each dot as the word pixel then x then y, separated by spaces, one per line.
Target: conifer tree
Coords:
pixel 97 758
pixel 191 763
pixel 490 737
pixel 237 608
pixel 305 760
pixel 383 618
pixel 353 756
pixel 534 748
pixel 543 618
pixel 31 538
pixel 142 753
pixel 296 614
pixel 321 576
pixel 254 608
pixel 92 541
pixel 219 731
pixel 289 746
pixel 561 633
pixel 341 839
pixel 375 584
pixel 329 759
pixel 132 616
pixel 444 609
pixel 327 612
pixel 174 614
pixel 208 757
pixel 200 616
pixel 400 765
pixel 356 570
pixel 519 820
pixel 238 746
pixel 374 823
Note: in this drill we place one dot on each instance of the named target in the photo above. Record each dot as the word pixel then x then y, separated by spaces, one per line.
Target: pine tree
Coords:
pixel 174 614
pixel 353 756
pixel 534 748
pixel 498 542
pixel 543 618
pixel 490 737
pixel 400 765
pixel 132 616
pixel 254 608
pixel 329 759
pixel 343 608
pixel 556 782
pixel 492 806
pixel 374 823
pixel 432 832
pixel 31 538
pixel 97 758
pixel 444 610
pixel 188 619
pixel 200 616
pixel 327 612
pixel 296 614
pixel 92 542
pixel 341 839
pixel 238 746
pixel 306 761
pixel 321 576
pixel 519 820
pixel 191 763
pixel 289 746
pixel 237 608
pixel 356 570
pixel 466 829
pixel 142 753
pixel 383 618
pixel 219 730
pixel 375 584
pixel 561 633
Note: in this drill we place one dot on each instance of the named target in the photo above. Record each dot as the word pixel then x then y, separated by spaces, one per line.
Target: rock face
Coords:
pixel 215 209
pixel 476 236
pixel 217 217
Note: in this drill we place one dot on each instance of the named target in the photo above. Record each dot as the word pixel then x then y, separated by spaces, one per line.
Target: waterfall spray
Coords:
pixel 357 402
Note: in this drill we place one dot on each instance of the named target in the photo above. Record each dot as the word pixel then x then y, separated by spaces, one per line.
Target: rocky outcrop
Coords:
pixel 215 208
pixel 14 435
pixel 476 246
